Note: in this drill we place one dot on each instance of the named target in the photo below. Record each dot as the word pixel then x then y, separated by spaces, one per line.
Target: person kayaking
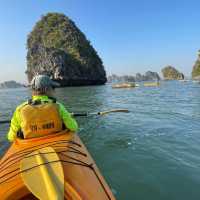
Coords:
pixel 42 114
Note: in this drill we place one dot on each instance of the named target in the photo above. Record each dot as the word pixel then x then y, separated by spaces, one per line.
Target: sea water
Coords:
pixel 152 152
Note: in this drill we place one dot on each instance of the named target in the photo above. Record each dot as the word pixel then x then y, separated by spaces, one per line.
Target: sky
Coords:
pixel 130 36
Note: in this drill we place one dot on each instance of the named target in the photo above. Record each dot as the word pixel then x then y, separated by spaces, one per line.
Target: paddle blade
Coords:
pixel 43 175
pixel 116 110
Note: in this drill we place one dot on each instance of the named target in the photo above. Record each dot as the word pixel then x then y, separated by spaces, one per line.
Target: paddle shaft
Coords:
pixel 99 113
pixel 5 122
pixel 83 114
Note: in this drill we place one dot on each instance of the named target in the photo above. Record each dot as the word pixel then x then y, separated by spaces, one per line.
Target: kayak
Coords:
pixel 151 84
pixel 124 85
pixel 81 178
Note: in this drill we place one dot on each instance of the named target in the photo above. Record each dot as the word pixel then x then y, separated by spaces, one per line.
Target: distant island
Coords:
pixel 148 76
pixel 171 73
pixel 11 84
pixel 58 48
pixel 168 72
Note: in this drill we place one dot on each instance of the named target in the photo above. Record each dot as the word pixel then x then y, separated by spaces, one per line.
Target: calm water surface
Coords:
pixel 151 153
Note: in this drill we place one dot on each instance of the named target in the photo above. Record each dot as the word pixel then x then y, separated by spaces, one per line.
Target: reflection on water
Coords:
pixel 150 153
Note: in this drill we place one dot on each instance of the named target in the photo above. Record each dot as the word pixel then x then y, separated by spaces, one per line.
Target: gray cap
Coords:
pixel 43 82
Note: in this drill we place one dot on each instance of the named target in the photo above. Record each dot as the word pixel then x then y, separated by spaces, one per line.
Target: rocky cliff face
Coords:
pixel 170 73
pixel 196 68
pixel 58 48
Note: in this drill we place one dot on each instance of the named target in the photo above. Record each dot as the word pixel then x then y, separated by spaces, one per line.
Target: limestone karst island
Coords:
pixel 58 48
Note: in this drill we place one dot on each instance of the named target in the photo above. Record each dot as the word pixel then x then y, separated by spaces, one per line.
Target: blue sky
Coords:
pixel 130 36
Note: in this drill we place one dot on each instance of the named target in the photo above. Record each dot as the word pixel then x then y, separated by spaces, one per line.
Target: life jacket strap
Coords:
pixel 38 102
pixel 53 99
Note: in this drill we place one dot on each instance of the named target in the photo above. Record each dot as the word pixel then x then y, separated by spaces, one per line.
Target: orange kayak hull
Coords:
pixel 83 180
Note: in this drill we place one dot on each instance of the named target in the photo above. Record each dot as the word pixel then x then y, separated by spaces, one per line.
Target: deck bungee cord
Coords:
pixel 40 146
pixel 16 158
pixel 62 153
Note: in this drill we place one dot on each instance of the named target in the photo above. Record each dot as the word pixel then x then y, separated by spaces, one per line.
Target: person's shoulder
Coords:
pixel 22 105
pixel 60 104
pixel 57 102
pixel 62 108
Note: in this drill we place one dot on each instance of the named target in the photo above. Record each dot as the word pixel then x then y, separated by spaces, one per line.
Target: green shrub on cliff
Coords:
pixel 196 68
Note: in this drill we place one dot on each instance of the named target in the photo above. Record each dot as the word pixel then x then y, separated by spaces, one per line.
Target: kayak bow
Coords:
pixel 29 166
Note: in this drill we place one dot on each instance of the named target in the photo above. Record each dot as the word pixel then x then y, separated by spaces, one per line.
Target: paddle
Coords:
pixel 42 173
pixel 5 122
pixel 99 113
pixel 83 114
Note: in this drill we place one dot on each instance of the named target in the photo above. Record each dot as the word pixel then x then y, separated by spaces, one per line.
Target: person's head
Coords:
pixel 43 85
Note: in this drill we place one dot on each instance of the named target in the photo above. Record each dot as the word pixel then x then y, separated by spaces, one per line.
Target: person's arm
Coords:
pixel 68 120
pixel 14 126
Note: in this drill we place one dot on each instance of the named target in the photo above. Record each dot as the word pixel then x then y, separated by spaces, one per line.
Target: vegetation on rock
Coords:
pixel 58 48
pixel 196 68
pixel 170 73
